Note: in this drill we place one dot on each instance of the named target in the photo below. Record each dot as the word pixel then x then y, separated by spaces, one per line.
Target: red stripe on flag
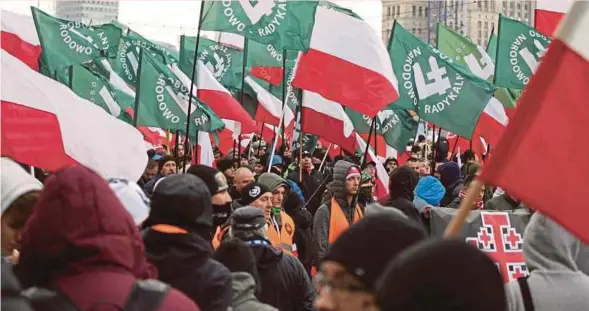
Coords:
pixel 33 137
pixel 269 74
pixel 329 128
pixel 226 107
pixel 552 114
pixel 359 88
pixel 546 21
pixel 26 52
pixel 264 116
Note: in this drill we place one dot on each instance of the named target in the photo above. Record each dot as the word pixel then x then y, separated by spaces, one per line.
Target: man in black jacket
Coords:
pixel 284 281
pixel 311 183
pixel 177 242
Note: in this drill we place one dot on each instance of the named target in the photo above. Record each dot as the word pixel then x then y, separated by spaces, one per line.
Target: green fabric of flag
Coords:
pixel 163 100
pixel 519 51
pixel 97 90
pixel 285 24
pixel 468 54
pixel 67 43
pixel 441 91
pixel 508 97
pixel 394 124
pixel 126 62
pixel 224 62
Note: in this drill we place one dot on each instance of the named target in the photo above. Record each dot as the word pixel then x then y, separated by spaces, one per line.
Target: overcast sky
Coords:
pixel 167 20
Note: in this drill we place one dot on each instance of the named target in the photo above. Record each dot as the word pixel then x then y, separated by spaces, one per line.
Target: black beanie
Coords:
pixel 212 177
pixel 252 192
pixel 163 160
pixel 237 256
pixel 361 250
pixel 224 164
pixel 442 275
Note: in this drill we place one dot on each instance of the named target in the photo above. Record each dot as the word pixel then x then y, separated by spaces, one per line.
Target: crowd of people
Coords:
pixel 295 231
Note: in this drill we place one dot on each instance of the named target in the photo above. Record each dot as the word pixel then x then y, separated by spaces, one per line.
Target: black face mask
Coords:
pixel 221 214
pixel 365 194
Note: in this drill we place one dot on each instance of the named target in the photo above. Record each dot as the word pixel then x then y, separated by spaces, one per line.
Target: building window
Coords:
pixel 413 10
pixel 519 6
pixel 419 31
pixel 451 25
pixel 480 35
pixel 479 4
pixel 511 5
pixel 486 5
pixel 413 31
pixel 398 10
pixel 526 6
pixel 420 10
pixel 426 11
pixel 492 25
pixel 479 24
pixel 504 5
pixel 519 15
pixel 486 25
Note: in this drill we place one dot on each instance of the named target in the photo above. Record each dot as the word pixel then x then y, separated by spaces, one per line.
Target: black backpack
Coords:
pixel 146 295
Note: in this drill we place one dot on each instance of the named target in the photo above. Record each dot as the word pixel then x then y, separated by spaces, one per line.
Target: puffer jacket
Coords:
pixel 244 298
pixel 555 258
pixel 81 241
pixel 323 214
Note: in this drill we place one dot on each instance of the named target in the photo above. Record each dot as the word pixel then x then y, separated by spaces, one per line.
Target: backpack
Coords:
pixel 526 293
pixel 146 295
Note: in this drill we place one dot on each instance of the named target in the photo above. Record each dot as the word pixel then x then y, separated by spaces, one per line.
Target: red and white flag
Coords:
pixel 546 21
pixel 347 63
pixel 46 125
pixel 327 119
pixel 270 108
pixel 552 113
pixel 382 177
pixel 492 122
pixel 20 39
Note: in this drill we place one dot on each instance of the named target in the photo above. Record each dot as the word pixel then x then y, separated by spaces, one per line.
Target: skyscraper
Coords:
pixel 94 11
pixel 474 19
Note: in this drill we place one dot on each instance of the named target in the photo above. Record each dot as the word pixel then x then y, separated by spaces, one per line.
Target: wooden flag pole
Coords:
pixel 372 126
pixel 457 222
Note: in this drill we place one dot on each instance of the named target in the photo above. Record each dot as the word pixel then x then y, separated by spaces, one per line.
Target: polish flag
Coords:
pixel 220 100
pixel 203 153
pixel 492 122
pixel 20 39
pixel 546 21
pixel 347 63
pixel 327 119
pixel 382 177
pixel 269 110
pixel 46 125
pixel 552 112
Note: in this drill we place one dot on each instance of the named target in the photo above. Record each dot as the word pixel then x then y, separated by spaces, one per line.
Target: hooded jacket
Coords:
pixel 303 228
pixel 401 187
pixel 81 241
pixel 428 192
pixel 450 178
pixel 283 279
pixel 244 298
pixel 553 256
pixel 184 259
pixel 323 214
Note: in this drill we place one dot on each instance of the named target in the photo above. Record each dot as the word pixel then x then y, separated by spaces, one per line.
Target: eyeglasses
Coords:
pixel 339 284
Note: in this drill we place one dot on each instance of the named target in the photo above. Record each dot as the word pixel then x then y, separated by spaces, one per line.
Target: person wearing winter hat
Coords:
pixel 255 195
pixel 239 258
pixel 132 197
pixel 390 164
pixel 226 167
pixel 19 194
pixel 349 271
pixel 401 191
pixel 428 192
pixel 366 187
pixel 166 167
pixel 558 277
pixel 450 178
pixel 303 221
pixel 177 241
pixel 283 279
pixel 442 275
pixel 341 211
pixel 219 189
pixel 282 228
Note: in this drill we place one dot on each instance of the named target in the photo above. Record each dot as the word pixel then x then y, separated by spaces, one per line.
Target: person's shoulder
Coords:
pixel 177 301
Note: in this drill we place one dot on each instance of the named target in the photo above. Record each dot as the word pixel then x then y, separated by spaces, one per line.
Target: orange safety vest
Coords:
pixel 338 223
pixel 284 239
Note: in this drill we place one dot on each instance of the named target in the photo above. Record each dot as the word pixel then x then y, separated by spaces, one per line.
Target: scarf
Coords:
pixel 479 204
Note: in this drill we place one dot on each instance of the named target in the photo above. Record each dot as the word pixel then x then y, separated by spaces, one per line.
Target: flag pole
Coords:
pixel 274 145
pixel 372 126
pixel 195 148
pixel 137 93
pixel 434 147
pixel 260 139
pixel 194 66
pixel 285 92
pixel 324 157
pixel 238 146
pixel 177 143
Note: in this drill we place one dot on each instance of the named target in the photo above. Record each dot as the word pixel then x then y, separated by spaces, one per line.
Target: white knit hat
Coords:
pixel 15 181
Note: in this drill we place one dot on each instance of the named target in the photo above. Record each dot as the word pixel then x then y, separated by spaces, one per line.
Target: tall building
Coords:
pixel 474 19
pixel 86 11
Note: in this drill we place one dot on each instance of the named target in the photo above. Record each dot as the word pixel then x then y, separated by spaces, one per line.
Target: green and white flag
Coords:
pixel 96 89
pixel 224 62
pixel 468 54
pixel 126 62
pixel 519 51
pixel 163 100
pixel 395 125
pixel 67 43
pixel 285 24
pixel 508 97
pixel 441 91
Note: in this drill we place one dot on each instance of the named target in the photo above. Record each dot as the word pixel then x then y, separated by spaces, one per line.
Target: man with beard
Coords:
pixel 310 183
pixel 166 167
